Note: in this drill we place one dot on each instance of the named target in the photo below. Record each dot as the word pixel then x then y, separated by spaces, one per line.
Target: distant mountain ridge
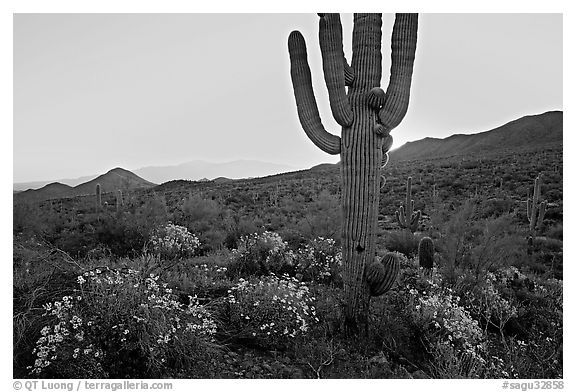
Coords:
pixel 194 170
pixel 527 131
pixel 113 180
pixel 198 170
pixel 532 131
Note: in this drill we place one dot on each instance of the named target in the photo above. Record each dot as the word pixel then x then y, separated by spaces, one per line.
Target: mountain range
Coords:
pixel 197 170
pixel 533 131
pixel 525 132
pixel 112 181
pixel 194 170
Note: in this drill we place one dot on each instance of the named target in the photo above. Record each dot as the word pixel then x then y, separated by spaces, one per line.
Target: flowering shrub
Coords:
pixel 445 321
pixel 319 261
pixel 260 254
pixel 121 324
pixel 489 305
pixel 273 311
pixel 205 280
pixel 173 241
pixel 445 326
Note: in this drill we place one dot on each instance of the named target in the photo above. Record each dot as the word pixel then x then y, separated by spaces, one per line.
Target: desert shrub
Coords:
pixel 120 323
pixel 272 312
pixel 555 232
pixel 539 325
pixel 123 234
pixel 321 216
pixel 402 241
pixel 174 242
pixel 449 363
pixel 489 306
pixel 205 218
pixel 493 247
pixel 443 327
pixel 237 227
pixel 198 276
pixel 443 323
pixel 41 274
pixel 260 254
pixel 320 261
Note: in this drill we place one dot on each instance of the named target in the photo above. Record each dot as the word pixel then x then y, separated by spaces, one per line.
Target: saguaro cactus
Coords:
pixel 406 217
pixel 536 208
pixel 426 253
pixel 367 114
pixel 98 196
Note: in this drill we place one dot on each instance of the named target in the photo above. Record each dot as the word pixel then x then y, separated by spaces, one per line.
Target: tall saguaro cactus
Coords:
pixel 367 114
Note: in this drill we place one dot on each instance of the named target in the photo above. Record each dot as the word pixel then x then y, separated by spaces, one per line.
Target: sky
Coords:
pixel 96 91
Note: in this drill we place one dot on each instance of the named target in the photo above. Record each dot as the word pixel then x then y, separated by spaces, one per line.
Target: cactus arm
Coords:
pixel 415 219
pixel 541 213
pixel 333 64
pixel 401 217
pixel 305 100
pixel 404 36
pixel 349 74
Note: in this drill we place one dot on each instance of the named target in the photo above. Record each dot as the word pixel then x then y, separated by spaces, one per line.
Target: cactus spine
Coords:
pixel 426 253
pixel 367 114
pixel 406 217
pixel 382 275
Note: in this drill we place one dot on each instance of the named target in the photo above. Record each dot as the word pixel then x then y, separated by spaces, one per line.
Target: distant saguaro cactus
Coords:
pixel 535 210
pixel 98 196
pixel 406 217
pixel 426 253
pixel 367 114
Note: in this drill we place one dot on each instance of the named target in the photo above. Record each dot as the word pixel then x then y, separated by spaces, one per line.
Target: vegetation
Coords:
pixel 182 265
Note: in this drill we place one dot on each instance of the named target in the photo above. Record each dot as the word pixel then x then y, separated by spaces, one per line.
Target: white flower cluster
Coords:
pixel 450 323
pixel 172 241
pixel 274 309
pixel 319 260
pixel 68 328
pixel 267 248
pixel 118 308
pixel 492 305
